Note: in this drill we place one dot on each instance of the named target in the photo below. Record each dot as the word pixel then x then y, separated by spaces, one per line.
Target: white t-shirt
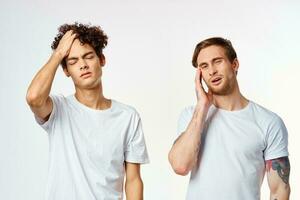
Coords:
pixel 88 148
pixel 235 145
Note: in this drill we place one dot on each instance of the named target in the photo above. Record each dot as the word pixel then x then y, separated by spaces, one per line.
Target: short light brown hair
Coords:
pixel 218 41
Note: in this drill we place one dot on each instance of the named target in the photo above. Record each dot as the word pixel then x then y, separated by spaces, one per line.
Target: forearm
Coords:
pixel 40 86
pixel 134 189
pixel 282 193
pixel 184 153
pixel 278 172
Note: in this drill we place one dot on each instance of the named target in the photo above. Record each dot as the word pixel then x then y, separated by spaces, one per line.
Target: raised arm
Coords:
pixel 184 152
pixel 38 92
pixel 278 172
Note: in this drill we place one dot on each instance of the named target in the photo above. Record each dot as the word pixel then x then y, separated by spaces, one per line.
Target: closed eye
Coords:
pixel 89 57
pixel 203 66
pixel 72 62
pixel 218 61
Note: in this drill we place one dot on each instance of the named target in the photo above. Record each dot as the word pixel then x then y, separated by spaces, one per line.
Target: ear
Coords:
pixel 235 65
pixel 66 72
pixel 102 60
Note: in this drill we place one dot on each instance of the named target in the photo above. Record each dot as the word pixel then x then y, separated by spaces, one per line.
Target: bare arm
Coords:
pixel 38 92
pixel 133 183
pixel 184 152
pixel 278 172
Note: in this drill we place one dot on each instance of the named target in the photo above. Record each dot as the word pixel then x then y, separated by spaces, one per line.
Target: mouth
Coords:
pixel 216 81
pixel 85 75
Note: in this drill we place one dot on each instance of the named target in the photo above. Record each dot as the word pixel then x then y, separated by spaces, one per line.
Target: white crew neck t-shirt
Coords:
pixel 88 148
pixel 235 145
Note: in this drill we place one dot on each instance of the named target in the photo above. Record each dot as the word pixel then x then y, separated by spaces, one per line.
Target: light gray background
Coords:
pixel 148 66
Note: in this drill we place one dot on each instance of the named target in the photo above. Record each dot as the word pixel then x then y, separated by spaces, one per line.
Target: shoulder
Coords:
pixel 59 98
pixel 265 115
pixel 188 111
pixel 124 108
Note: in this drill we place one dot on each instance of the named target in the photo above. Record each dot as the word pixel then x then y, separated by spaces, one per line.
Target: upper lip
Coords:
pixel 215 78
pixel 85 74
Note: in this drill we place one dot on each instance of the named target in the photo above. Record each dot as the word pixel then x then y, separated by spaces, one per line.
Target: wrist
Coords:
pixel 203 108
pixel 58 55
pixel 200 113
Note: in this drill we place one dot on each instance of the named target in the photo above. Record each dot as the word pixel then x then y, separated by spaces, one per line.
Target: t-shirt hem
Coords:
pixel 137 160
pixel 41 122
pixel 277 156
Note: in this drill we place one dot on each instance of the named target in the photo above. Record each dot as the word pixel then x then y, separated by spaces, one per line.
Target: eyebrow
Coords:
pixel 217 58
pixel 213 60
pixel 75 58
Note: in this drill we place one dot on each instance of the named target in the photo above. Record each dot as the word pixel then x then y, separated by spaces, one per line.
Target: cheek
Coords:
pixel 94 65
pixel 97 70
pixel 74 72
pixel 230 73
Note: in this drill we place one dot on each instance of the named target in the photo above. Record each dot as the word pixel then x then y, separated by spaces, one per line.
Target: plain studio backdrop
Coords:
pixel 148 65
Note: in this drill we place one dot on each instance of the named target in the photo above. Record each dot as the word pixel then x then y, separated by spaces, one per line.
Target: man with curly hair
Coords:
pixel 94 142
pixel 226 141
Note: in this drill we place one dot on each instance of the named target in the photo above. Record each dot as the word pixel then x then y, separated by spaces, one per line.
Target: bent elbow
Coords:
pixel 33 99
pixel 182 171
pixel 178 167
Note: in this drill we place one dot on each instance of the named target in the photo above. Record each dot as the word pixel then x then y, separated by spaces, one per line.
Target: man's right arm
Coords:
pixel 184 153
pixel 38 92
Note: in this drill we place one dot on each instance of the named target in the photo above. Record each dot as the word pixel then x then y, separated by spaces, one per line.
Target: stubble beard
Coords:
pixel 224 89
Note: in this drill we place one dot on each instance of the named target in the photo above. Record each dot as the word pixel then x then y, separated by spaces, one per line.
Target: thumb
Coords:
pixel 210 95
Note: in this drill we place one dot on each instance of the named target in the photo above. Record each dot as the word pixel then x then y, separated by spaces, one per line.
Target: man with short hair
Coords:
pixel 94 141
pixel 226 140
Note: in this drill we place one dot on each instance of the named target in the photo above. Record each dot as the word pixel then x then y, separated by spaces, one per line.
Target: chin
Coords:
pixel 87 84
pixel 219 90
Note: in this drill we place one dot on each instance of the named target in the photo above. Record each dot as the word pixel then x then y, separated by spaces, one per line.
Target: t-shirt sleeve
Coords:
pixel 276 139
pixel 136 150
pixel 47 125
pixel 184 119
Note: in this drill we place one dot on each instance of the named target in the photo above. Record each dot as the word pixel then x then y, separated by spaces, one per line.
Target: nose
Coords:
pixel 83 65
pixel 212 70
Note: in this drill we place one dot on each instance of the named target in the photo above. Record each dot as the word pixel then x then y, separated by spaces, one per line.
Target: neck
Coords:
pixel 93 97
pixel 233 101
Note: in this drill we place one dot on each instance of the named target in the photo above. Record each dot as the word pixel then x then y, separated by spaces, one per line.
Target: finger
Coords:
pixel 71 38
pixel 209 91
pixel 210 95
pixel 198 83
pixel 73 32
pixel 74 36
pixel 69 32
pixel 66 35
pixel 198 79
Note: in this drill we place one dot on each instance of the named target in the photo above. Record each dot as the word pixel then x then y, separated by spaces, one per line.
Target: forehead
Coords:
pixel 210 52
pixel 78 49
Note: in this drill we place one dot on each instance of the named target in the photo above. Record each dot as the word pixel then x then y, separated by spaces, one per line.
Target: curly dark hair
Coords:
pixel 92 35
